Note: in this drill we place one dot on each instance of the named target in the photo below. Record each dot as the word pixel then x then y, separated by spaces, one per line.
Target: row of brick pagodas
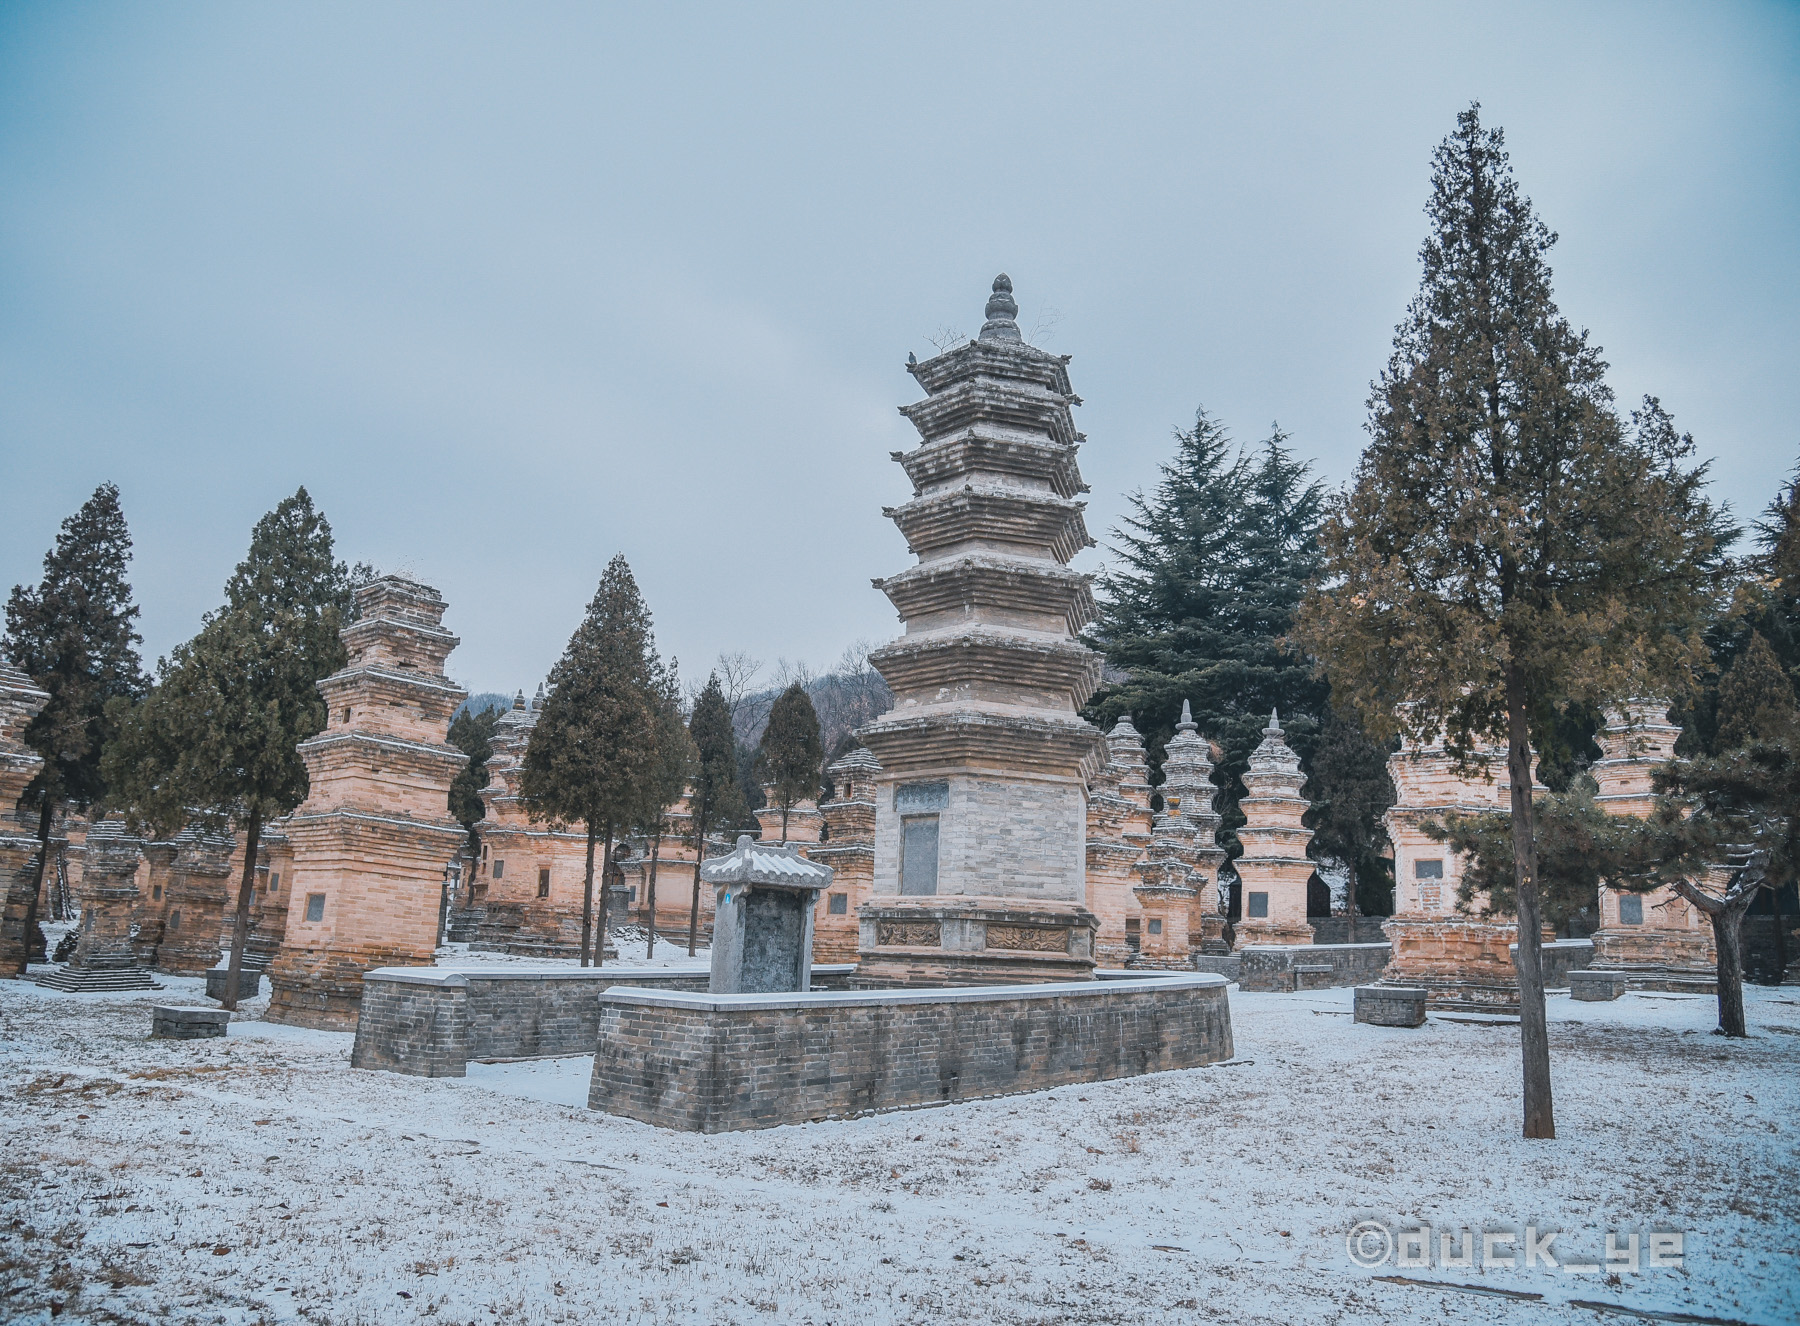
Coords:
pixel 373 840
pixel 1462 958
pixel 1119 827
pixel 981 802
pixel 1657 939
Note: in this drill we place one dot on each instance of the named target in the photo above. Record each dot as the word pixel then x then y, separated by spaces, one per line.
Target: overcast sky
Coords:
pixel 513 288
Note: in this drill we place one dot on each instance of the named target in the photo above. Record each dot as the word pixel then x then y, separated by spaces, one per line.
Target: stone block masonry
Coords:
pixel 171 1022
pixel 724 1063
pixel 1285 967
pixel 431 1021
pixel 1390 1005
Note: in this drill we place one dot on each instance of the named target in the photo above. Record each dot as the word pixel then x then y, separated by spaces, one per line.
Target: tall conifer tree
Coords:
pixel 74 635
pixel 1209 569
pixel 665 782
pixel 596 741
pixel 1507 545
pixel 791 752
pixel 718 799
pixel 220 731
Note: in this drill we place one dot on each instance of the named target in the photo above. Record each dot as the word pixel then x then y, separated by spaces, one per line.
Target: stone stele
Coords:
pixel 763 918
pixel 981 802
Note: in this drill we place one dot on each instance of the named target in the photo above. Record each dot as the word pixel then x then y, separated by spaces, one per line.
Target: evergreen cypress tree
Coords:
pixel 1756 699
pixel 596 741
pixel 1348 785
pixel 472 733
pixel 718 799
pixel 1209 570
pixel 1507 546
pixel 666 780
pixel 74 636
pixel 219 732
pixel 791 752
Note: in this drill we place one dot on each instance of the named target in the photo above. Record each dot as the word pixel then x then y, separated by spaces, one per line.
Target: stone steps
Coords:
pixel 90 980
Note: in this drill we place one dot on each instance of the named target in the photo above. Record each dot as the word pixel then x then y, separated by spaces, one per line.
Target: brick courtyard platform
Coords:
pixel 1280 968
pixel 722 1063
pixel 431 1021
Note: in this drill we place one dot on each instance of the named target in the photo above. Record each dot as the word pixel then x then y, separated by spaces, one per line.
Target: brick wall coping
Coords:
pixel 1307 948
pixel 1127 974
pixel 461 976
pixel 963 994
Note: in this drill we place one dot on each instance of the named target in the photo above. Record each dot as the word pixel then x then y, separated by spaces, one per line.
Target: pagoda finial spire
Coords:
pixel 1274 722
pixel 1187 722
pixel 1002 310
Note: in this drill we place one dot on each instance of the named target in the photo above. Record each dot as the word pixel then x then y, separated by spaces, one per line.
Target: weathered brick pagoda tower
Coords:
pixel 850 852
pixel 1118 834
pixel 1657 939
pixel 1274 867
pixel 20 701
pixel 1461 958
pixel 981 805
pixel 372 839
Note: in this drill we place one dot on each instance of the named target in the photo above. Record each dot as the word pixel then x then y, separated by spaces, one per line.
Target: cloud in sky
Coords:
pixel 510 289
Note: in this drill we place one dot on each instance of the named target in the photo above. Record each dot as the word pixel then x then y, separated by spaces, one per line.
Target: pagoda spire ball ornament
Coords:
pixel 1002 313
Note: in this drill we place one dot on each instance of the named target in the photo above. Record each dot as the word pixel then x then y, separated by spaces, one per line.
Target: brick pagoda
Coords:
pixel 1188 791
pixel 981 804
pixel 20 701
pixel 374 836
pixel 1118 834
pixel 1274 867
pixel 1657 939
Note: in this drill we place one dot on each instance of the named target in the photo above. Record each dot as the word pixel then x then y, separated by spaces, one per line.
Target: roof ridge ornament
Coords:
pixel 1002 312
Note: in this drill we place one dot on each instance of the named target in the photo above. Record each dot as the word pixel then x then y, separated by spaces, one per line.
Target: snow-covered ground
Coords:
pixel 260 1179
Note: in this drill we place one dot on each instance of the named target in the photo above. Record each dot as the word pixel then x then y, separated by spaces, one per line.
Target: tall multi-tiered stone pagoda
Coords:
pixel 1189 794
pixel 981 806
pixel 373 839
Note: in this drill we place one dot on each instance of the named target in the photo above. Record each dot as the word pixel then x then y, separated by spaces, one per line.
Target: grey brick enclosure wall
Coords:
pixel 722 1063
pixel 1282 967
pixel 430 1021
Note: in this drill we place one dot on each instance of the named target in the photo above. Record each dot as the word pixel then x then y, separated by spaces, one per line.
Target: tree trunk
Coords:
pixel 1534 1032
pixel 240 927
pixel 1781 957
pixel 1728 939
pixel 694 915
pixel 655 850
pixel 605 882
pixel 784 814
pixel 46 818
pixel 1727 917
pixel 587 900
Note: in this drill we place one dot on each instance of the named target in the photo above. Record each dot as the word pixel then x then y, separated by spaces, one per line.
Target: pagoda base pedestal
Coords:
pixel 1682 961
pixel 1209 936
pixel 1262 933
pixel 97 980
pixel 1461 964
pixel 961 940
pixel 322 987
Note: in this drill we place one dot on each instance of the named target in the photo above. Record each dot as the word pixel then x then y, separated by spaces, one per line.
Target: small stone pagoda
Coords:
pixel 197 902
pixel 1274 867
pixel 104 958
pixel 1657 939
pixel 1118 834
pixel 373 839
pixel 981 804
pixel 1189 792
pixel 20 701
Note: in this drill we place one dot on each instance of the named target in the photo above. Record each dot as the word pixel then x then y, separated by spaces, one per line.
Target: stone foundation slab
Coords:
pixel 723 1063
pixel 1596 986
pixel 1290 967
pixel 1390 1005
pixel 187 1024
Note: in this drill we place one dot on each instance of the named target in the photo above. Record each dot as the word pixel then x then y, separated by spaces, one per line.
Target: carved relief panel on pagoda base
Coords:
pixel 972 941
